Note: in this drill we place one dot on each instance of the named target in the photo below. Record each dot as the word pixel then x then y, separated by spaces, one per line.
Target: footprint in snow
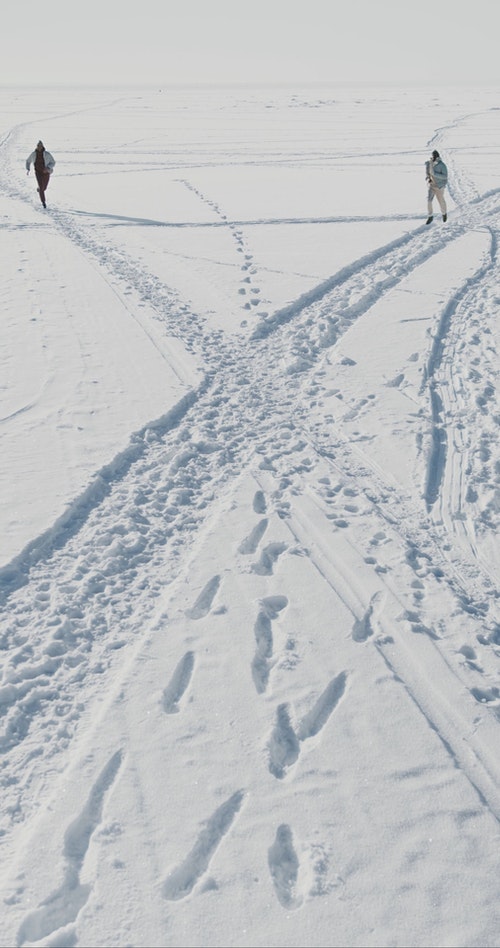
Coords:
pixel 250 543
pixel 61 908
pixel 182 880
pixel 488 696
pixel 178 684
pixel 368 625
pixel 261 664
pixel 268 557
pixel 259 502
pixel 284 867
pixel 204 601
pixel 284 744
pixel 316 719
pixel 418 626
pixel 470 656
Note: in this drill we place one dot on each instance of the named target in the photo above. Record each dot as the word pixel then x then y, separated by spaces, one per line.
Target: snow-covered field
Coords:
pixel 249 510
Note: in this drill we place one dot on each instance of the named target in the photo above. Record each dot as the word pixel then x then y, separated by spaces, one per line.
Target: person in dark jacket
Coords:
pixel 43 163
pixel 436 175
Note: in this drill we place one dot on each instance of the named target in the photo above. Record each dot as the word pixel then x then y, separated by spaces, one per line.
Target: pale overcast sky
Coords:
pixel 189 41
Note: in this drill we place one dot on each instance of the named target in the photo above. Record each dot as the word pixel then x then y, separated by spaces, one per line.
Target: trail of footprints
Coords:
pixel 284 743
pixel 283 746
pixel 286 737
pixel 249 292
pixel 59 912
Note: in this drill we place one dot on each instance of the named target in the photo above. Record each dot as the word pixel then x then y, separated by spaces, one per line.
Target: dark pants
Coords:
pixel 43 178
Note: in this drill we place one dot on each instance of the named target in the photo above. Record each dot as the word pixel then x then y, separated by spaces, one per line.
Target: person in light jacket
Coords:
pixel 436 175
pixel 43 163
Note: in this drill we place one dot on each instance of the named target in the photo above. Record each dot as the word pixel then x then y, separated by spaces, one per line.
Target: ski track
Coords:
pixel 77 595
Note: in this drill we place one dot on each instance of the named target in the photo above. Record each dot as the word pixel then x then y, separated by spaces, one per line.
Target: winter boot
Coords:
pixel 429 219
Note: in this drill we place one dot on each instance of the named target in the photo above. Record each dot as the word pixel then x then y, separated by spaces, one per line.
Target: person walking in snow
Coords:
pixel 436 175
pixel 43 163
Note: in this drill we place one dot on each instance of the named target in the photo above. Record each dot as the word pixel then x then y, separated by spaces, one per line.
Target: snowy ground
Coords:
pixel 249 508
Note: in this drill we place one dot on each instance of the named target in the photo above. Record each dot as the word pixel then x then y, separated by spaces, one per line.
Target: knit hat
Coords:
pixel 435 154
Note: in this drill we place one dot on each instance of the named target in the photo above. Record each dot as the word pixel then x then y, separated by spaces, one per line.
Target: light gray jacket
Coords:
pixel 437 171
pixel 47 157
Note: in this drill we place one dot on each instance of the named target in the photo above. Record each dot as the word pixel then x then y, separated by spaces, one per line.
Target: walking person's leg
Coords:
pixel 441 200
pixel 430 196
pixel 40 188
pixel 43 178
pixel 46 179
